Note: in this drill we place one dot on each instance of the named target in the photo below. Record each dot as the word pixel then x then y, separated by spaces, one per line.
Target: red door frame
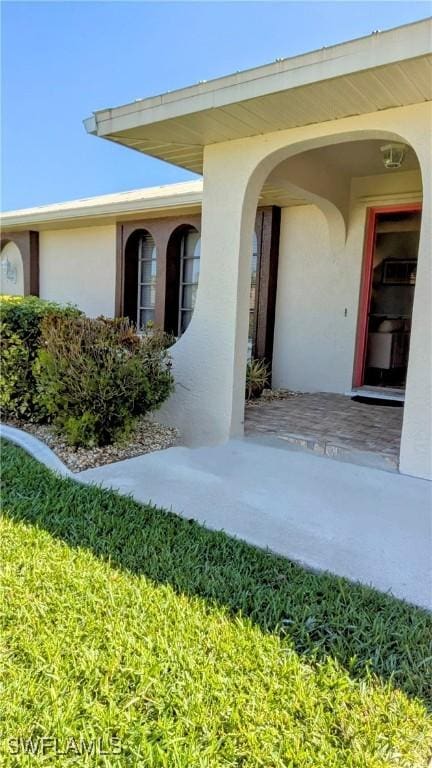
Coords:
pixel 366 283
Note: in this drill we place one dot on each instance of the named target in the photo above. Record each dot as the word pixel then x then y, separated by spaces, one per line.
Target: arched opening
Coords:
pixel 11 270
pixel 140 273
pixel 325 195
pixel 182 278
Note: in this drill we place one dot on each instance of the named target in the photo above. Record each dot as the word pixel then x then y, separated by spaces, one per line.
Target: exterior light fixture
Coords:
pixel 393 155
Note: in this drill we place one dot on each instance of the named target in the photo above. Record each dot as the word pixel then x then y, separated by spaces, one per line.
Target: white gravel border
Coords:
pixel 35 448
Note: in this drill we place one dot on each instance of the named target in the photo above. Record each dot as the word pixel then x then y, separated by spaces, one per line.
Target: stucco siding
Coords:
pixel 78 266
pixel 318 288
pixel 314 307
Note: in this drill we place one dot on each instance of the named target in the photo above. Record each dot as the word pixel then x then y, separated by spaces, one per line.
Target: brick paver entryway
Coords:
pixel 332 425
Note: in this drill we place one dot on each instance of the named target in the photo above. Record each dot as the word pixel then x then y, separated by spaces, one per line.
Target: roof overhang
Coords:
pixel 151 202
pixel 384 70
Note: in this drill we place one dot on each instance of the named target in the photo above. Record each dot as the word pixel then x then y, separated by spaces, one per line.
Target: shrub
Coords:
pixel 94 376
pixel 80 430
pixel 20 323
pixel 14 392
pixel 257 378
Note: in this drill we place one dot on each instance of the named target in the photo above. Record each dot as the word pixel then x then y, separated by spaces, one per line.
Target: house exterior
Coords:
pixel 317 179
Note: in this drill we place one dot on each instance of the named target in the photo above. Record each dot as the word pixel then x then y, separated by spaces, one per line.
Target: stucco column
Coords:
pixel 210 358
pixel 416 440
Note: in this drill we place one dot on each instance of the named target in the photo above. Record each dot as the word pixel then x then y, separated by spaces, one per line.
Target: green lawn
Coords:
pixel 191 648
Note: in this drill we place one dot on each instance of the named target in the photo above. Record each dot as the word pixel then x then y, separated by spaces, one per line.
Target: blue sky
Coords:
pixel 62 60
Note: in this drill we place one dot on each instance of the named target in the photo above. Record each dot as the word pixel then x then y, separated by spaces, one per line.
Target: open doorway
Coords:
pixel 386 300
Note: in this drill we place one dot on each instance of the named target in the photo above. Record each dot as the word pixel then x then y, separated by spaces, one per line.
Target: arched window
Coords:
pixel 147 266
pixel 190 252
pixel 253 297
pixel 140 279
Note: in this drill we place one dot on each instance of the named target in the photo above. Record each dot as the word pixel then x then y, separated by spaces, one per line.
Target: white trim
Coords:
pixel 147 199
pixel 414 196
pixel 379 48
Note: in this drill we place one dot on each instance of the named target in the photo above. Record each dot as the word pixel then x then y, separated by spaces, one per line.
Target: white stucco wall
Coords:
pixel 210 359
pixel 318 288
pixel 11 271
pixel 78 266
pixel 312 334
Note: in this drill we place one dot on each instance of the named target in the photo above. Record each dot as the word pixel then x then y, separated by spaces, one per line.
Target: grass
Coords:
pixel 193 649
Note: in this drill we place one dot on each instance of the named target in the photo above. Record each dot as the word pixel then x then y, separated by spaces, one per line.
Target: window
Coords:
pixel 253 297
pixel 190 251
pixel 139 279
pixel 147 267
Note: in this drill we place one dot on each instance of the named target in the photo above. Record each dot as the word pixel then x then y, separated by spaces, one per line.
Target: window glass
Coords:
pixel 189 295
pixel 192 244
pixel 147 268
pixel 185 319
pixel 148 271
pixel 191 269
pixel 148 296
pixel 145 316
pixel 190 252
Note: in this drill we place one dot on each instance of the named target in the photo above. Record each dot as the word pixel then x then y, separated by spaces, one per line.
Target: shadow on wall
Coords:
pixel 318 615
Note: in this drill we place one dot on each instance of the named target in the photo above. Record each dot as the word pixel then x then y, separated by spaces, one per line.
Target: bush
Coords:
pixel 257 378
pixel 20 324
pixel 94 376
pixel 14 392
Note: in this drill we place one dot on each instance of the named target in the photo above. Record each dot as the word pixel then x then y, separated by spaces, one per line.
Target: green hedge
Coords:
pixel 94 376
pixel 20 330
pixel 90 377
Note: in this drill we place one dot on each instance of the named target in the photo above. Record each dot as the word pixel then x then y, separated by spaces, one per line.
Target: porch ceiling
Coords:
pixel 383 70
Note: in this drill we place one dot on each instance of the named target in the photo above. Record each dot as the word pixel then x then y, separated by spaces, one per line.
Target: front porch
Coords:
pixel 329 425
pixel 343 262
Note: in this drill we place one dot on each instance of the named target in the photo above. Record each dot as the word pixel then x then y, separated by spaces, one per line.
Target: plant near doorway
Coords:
pixel 257 378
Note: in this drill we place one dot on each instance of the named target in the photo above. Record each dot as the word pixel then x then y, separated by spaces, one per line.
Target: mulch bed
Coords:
pixel 147 436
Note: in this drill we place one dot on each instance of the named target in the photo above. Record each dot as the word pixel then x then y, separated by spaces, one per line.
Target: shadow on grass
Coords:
pixel 318 614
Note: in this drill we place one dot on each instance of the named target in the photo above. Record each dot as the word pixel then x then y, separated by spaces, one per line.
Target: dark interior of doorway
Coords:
pixel 394 272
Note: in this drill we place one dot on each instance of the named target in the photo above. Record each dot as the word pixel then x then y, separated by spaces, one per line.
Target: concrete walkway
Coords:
pixel 366 524
pixel 36 448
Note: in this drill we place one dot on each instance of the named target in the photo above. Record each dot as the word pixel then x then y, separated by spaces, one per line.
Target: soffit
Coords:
pixel 390 69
